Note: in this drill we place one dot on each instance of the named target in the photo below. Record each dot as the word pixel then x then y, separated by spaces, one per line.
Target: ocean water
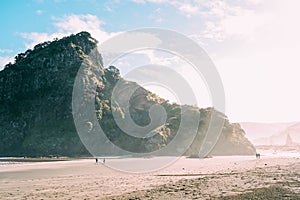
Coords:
pixel 279 153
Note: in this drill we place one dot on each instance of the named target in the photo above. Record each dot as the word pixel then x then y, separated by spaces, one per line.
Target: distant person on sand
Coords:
pixel 103 161
pixel 257 155
pixel 96 161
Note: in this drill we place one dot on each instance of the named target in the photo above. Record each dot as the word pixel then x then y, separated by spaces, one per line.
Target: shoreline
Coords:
pixel 82 178
pixel 29 159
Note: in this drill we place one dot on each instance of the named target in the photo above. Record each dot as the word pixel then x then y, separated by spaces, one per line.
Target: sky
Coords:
pixel 254 44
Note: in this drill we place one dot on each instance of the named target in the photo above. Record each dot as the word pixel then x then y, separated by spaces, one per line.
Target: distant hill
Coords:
pixel 36 106
pixel 293 132
pixel 271 133
pixel 290 136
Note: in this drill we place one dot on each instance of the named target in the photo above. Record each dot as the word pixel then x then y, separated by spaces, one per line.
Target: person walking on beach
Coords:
pixel 257 155
pixel 96 161
pixel 103 161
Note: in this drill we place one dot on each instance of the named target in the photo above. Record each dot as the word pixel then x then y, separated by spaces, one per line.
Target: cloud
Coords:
pixel 183 7
pixel 260 46
pixel 221 18
pixel 69 24
pixel 6 51
pixel 35 38
pixel 4 61
pixel 39 12
pixel 224 20
pixel 156 16
pixel 108 8
pixel 189 9
pixel 138 1
pixel 76 23
pixel 254 44
pixel 130 62
pixel 158 1
pixel 111 6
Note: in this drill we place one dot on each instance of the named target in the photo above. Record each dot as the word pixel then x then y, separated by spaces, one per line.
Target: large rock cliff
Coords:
pixel 36 105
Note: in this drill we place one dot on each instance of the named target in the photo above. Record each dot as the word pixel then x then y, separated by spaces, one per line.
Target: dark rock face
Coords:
pixel 36 105
pixel 35 99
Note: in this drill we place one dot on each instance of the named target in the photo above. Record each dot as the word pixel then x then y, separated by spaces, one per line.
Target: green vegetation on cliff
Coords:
pixel 36 106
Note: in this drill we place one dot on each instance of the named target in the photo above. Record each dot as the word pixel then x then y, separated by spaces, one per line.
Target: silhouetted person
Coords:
pixel 103 161
pixel 96 160
pixel 257 155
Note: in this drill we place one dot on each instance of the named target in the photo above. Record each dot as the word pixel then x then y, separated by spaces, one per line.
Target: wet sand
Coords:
pixel 212 178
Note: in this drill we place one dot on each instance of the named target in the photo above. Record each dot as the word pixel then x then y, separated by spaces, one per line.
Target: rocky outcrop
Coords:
pixel 36 106
pixel 35 98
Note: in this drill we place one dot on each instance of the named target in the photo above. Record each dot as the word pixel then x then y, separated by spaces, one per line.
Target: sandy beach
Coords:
pixel 232 177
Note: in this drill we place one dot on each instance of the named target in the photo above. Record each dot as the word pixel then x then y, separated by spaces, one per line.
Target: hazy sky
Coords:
pixel 254 44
